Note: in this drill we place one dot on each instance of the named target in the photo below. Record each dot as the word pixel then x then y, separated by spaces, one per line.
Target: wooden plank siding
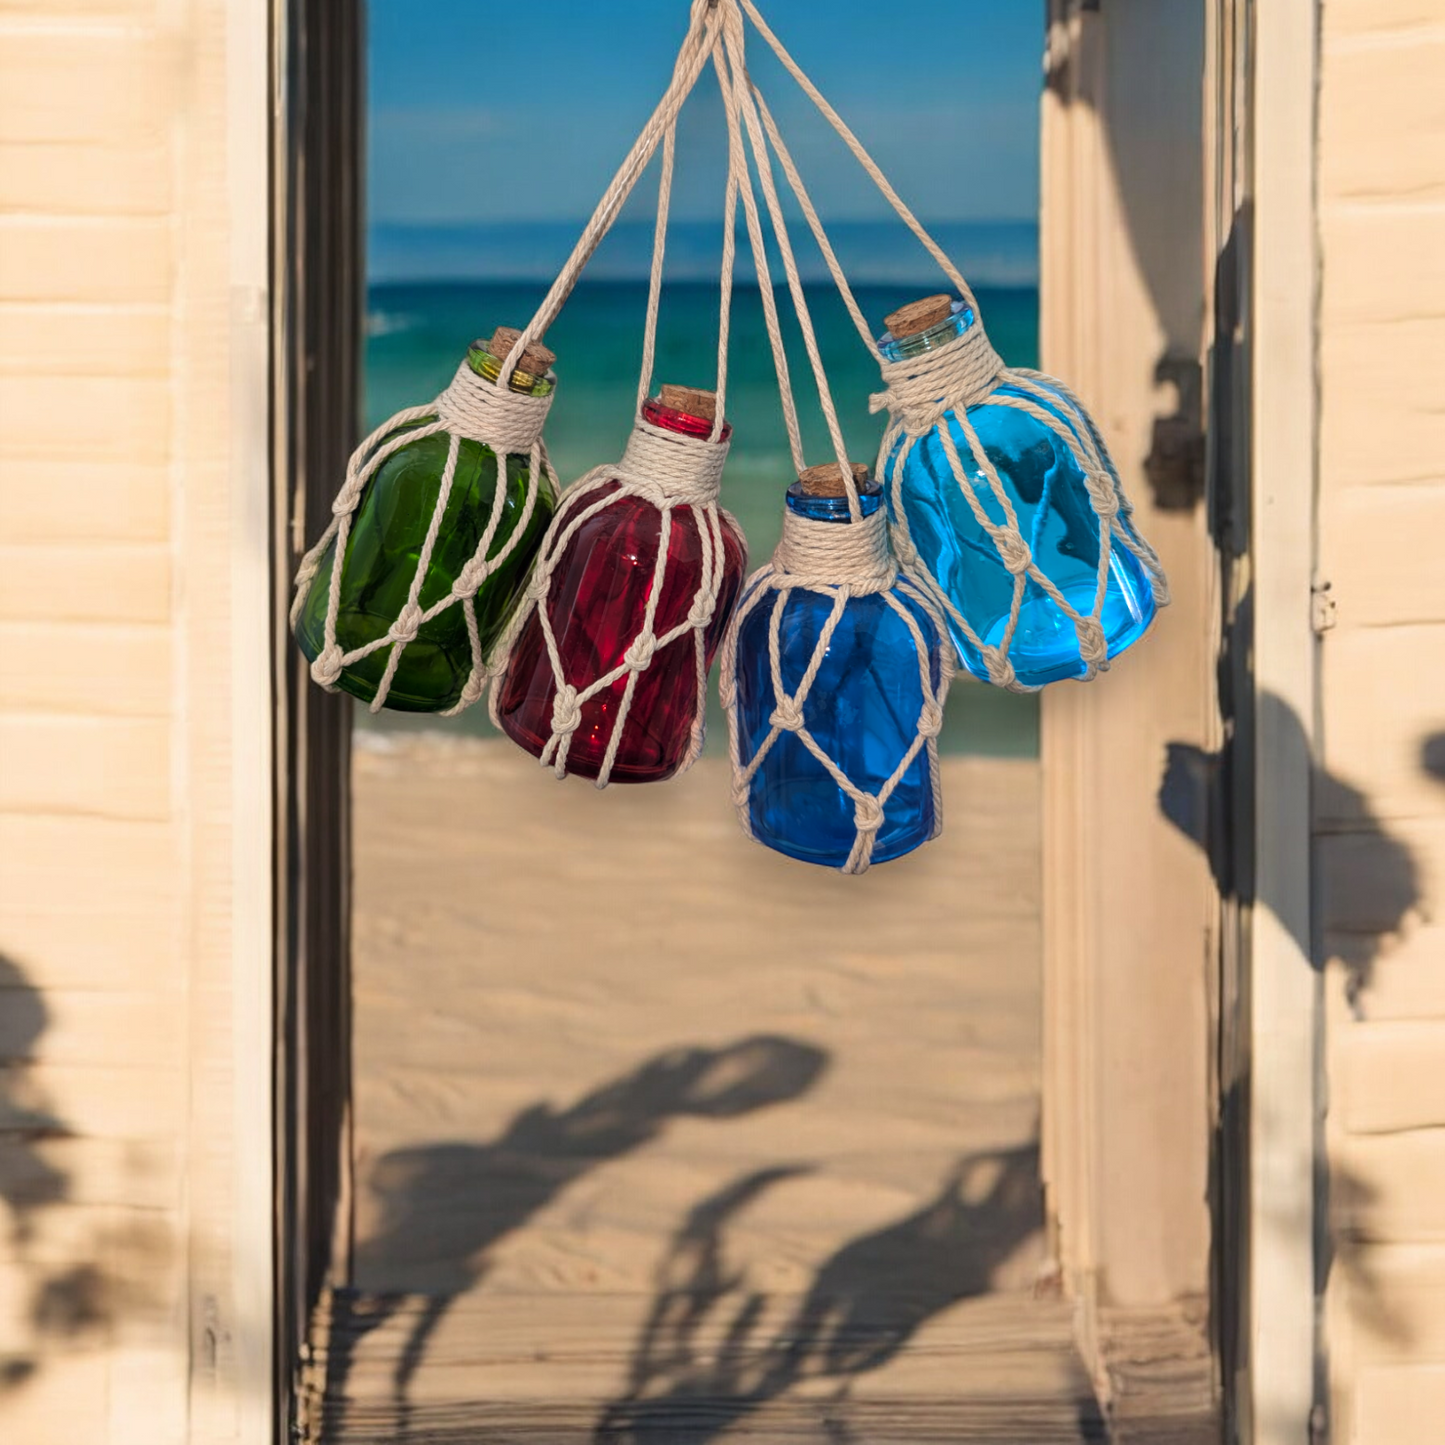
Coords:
pixel 119 846
pixel 1380 803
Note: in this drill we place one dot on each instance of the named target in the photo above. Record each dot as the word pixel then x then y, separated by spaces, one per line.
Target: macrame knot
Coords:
pixel 1093 645
pixel 327 667
pixel 407 624
pixel 472 692
pixel 469 579
pixel 566 712
pixel 1000 669
pixel 788 716
pixel 868 814
pixel 1013 552
pixel 702 611
pixel 930 720
pixel 639 656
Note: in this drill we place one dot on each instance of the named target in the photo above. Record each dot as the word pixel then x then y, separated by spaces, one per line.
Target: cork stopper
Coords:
pixel 536 360
pixel 691 400
pixel 919 316
pixel 826 479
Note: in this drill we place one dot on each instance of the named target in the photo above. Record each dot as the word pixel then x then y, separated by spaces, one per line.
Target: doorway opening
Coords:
pixel 648 1133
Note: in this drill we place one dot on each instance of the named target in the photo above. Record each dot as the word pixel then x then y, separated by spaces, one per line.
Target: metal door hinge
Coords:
pixel 1322 608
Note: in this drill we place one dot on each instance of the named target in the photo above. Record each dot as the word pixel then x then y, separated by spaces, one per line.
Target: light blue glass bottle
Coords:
pixel 1055 516
pixel 863 708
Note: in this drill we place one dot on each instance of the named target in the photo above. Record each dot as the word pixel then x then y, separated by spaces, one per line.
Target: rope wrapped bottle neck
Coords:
pixel 482 411
pixel 673 468
pixel 921 389
pixel 828 555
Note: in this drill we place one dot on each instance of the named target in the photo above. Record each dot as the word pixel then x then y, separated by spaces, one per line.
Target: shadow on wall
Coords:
pixel 1190 788
pixel 70 1300
pixel 1191 784
pixel 704 1360
pixel 444 1206
pixel 1155 161
pixel 1432 756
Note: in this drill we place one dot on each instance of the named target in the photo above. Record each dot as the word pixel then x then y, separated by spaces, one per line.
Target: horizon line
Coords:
pixel 411 223
pixel 699 282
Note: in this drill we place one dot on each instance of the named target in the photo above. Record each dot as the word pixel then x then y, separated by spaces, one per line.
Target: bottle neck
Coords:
pixel 685 424
pixel 834 509
pixel 901 348
pixel 524 382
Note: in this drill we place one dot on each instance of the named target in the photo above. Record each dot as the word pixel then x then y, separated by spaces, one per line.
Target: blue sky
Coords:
pixel 502 110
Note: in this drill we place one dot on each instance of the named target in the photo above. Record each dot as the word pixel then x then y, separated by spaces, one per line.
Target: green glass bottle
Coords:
pixel 387 535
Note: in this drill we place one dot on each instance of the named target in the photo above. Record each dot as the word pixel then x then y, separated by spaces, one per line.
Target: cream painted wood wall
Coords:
pixel 134 722
pixel 1380 806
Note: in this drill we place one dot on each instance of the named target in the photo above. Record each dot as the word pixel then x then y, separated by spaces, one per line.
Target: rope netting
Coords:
pixel 667 470
pixel 489 412
pixel 870 554
pixel 471 409
pixel 672 473
pixel 840 563
pixel 921 394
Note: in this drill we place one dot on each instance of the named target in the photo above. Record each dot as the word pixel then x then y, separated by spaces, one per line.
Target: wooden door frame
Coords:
pixel 1252 779
pixel 1258 221
pixel 1284 1360
pixel 318 293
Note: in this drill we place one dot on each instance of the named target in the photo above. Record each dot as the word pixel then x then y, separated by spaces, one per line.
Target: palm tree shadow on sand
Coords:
pixel 444 1206
pixel 702 1363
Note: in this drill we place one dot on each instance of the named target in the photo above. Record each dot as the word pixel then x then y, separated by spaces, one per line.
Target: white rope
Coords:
pixel 508 422
pixel 740 99
pixel 491 413
pixel 737 163
pixel 921 392
pixel 841 561
pixel 875 173
pixel 673 473
pixel 703 32
pixel 665 469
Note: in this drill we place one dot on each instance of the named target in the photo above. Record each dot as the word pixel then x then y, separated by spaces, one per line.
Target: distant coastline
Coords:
pixel 999 253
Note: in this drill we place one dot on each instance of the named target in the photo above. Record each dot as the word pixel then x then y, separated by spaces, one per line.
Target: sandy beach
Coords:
pixel 656 1128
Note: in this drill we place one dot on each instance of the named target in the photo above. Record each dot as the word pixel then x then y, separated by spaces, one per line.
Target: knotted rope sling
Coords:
pixel 918 394
pixel 839 561
pixel 488 412
pixel 471 408
pixel 665 469
pixel 671 471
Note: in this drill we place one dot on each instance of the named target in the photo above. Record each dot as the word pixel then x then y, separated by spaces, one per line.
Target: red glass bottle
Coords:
pixel 599 592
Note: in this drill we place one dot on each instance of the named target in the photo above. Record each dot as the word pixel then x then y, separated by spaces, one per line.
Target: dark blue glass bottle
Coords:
pixel 863 709
pixel 1055 516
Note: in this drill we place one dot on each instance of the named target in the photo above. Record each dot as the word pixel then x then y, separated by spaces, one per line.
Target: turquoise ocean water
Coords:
pixel 417 332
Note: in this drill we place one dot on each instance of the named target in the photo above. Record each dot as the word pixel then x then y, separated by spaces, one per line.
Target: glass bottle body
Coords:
pixel 862 710
pixel 388 531
pixel 1055 516
pixel 599 594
